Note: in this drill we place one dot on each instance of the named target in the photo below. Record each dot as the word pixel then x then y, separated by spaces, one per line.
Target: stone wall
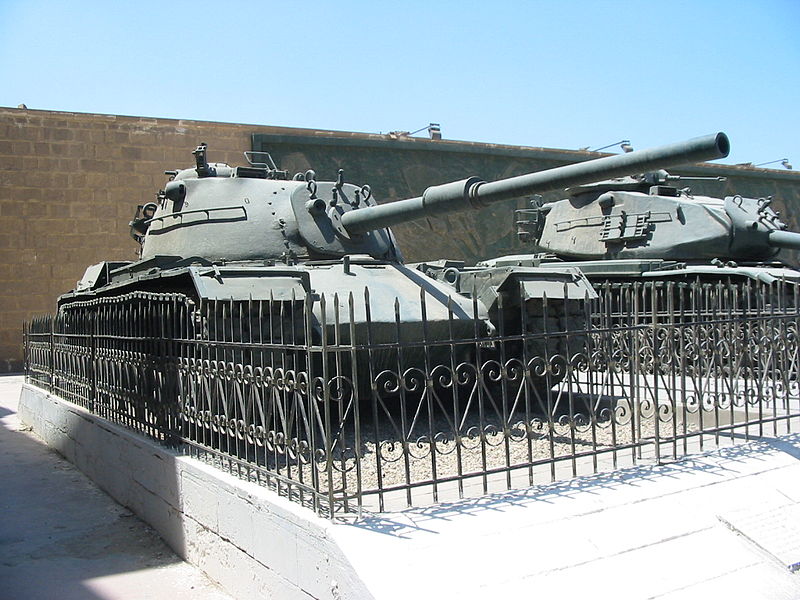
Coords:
pixel 70 183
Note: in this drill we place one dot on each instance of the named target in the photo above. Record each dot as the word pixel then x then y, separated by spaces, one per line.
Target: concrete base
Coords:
pixel 722 524
pixel 61 537
pixel 249 540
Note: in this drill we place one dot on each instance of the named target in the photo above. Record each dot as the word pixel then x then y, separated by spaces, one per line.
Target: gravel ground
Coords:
pixel 473 453
pixel 390 459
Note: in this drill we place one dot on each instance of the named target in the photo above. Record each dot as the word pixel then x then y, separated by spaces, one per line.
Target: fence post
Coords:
pixel 654 307
pixel 51 383
pixel 92 359
pixel 25 343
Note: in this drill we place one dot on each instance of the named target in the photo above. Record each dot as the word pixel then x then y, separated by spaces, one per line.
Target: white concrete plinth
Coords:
pixel 248 539
pixel 672 531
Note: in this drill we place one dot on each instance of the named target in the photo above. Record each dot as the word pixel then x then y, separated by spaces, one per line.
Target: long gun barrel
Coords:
pixel 784 239
pixel 476 193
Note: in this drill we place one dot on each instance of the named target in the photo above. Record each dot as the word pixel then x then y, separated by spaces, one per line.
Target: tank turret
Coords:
pixel 646 218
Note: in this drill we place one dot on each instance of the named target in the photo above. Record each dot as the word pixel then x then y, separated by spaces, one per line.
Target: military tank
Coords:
pixel 645 226
pixel 239 238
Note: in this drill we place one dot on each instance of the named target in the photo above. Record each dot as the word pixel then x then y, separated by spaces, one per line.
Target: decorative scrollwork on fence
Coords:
pixel 321 408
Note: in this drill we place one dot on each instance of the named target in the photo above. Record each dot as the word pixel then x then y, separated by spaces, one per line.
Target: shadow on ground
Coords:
pixel 61 537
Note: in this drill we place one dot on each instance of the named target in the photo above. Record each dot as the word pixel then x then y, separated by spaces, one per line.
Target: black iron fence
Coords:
pixel 343 411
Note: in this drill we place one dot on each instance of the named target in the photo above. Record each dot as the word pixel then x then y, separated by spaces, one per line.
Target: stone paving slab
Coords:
pixel 645 532
pixel 62 538
pixel 776 530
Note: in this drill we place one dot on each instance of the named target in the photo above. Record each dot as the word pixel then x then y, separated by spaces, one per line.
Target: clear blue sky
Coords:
pixel 538 73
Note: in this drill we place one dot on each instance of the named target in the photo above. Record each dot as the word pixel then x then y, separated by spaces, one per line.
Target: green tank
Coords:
pixel 239 238
pixel 646 226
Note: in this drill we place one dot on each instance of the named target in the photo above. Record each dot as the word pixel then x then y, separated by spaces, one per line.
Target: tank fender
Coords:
pixel 98 275
pixel 526 283
pixel 250 283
